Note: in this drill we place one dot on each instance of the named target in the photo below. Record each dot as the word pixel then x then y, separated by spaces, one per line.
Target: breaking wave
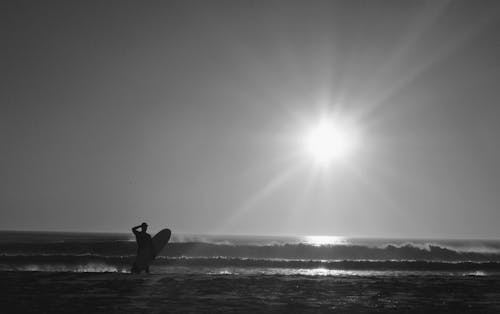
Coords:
pixel 115 253
pixel 402 252
pixel 92 263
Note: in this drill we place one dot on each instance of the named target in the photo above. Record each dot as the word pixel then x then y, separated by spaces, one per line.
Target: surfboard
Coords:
pixel 160 240
pixel 146 256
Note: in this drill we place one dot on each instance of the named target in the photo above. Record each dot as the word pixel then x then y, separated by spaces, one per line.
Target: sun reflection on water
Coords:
pixel 325 240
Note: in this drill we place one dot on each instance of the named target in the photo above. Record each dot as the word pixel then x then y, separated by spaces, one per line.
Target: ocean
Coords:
pixel 50 272
pixel 247 255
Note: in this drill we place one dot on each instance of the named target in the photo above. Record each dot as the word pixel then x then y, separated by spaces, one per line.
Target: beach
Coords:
pixel 72 292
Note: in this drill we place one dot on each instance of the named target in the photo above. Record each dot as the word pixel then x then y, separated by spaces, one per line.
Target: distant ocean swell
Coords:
pixel 406 252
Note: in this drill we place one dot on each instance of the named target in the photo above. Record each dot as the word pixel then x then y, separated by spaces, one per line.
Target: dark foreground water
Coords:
pixel 88 273
pixel 47 292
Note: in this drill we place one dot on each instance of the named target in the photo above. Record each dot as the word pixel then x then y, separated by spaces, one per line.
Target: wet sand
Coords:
pixel 46 292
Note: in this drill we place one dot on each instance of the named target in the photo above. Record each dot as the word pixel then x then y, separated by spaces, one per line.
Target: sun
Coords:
pixel 331 140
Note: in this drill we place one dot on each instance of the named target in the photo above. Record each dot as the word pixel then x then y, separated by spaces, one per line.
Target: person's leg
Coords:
pixel 147 269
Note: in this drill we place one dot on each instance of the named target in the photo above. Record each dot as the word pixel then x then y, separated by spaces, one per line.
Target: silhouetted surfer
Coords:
pixel 144 245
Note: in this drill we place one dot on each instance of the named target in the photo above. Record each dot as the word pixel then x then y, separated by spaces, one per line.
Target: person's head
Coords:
pixel 144 227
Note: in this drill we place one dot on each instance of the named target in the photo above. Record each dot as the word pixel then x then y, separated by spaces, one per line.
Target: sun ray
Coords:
pixel 371 103
pixel 272 185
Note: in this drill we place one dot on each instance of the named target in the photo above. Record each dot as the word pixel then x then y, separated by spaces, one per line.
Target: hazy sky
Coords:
pixel 188 114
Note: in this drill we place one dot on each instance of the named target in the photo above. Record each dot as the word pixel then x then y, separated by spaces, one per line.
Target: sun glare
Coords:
pixel 331 140
pixel 325 240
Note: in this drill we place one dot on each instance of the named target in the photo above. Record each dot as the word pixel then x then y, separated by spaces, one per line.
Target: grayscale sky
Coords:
pixel 188 114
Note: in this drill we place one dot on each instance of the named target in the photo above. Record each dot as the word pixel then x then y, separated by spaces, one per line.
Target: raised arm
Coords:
pixel 134 229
